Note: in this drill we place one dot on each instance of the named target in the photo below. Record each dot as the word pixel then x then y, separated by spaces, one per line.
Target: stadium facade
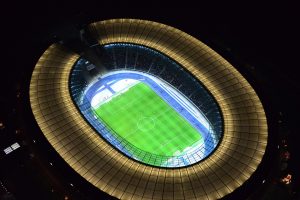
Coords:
pixel 236 136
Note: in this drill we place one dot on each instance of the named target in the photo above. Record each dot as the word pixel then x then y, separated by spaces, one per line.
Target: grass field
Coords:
pixel 146 121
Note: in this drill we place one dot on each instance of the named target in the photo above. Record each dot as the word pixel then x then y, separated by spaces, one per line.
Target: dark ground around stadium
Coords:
pixel 261 41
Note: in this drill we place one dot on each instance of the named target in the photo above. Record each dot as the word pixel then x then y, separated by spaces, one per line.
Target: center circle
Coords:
pixel 146 124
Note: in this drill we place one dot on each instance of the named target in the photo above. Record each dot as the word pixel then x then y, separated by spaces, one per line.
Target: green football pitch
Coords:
pixel 146 121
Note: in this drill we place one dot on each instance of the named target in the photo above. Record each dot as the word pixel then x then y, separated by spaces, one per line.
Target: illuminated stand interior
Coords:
pixel 123 62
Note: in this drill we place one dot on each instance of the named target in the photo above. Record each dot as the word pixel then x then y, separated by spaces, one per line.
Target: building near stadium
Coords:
pixel 156 114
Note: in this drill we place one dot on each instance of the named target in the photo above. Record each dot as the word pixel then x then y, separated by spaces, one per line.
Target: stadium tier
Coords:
pixel 135 107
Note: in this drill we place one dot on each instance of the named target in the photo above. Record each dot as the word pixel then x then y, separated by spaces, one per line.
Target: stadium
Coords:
pixel 155 102
pixel 131 101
